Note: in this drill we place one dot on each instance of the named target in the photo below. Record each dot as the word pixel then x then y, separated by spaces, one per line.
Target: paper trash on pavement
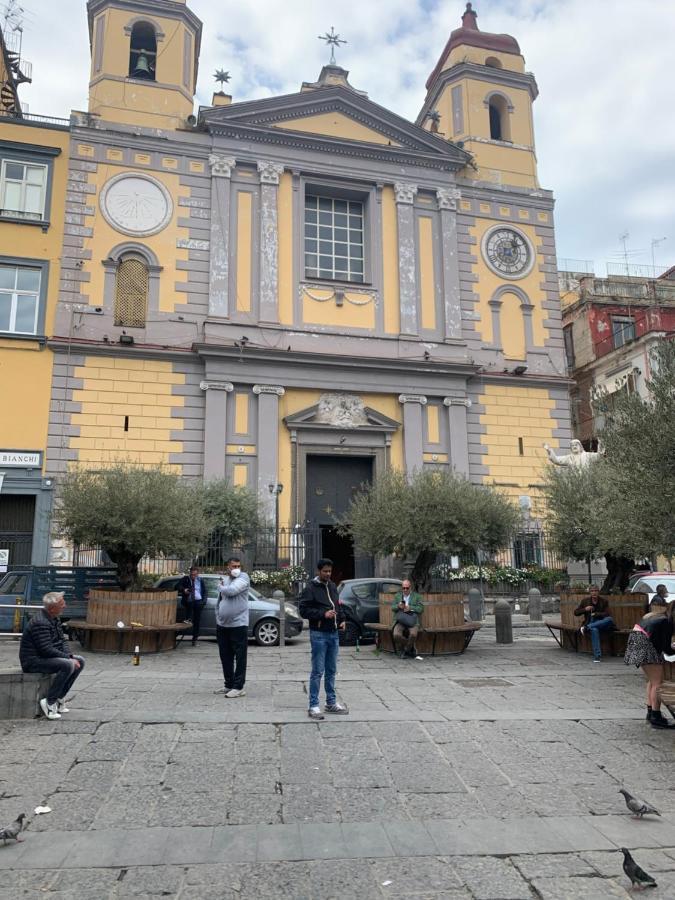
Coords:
pixel 39 810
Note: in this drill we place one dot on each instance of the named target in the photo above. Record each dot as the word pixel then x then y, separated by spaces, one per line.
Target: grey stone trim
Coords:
pixel 30 482
pixel 407 257
pixel 457 109
pixel 447 204
pixel 269 240
pixel 187 54
pixel 98 43
pixel 494 92
pixel 268 444
pixel 219 257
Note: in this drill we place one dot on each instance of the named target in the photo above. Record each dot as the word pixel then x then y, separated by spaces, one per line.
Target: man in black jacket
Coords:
pixel 320 604
pixel 192 591
pixel 44 649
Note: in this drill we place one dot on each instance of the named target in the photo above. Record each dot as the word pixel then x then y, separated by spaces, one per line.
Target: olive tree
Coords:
pixel 430 512
pixel 130 511
pixel 233 514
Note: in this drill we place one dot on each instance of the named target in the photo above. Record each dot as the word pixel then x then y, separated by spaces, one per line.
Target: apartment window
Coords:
pixel 623 330
pixel 19 299
pixel 131 292
pixel 568 338
pixel 23 189
pixel 334 231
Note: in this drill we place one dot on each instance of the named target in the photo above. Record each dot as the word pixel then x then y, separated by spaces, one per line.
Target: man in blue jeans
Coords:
pixel 44 649
pixel 595 611
pixel 320 604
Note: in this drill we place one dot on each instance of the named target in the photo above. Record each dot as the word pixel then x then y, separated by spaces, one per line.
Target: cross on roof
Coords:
pixel 332 40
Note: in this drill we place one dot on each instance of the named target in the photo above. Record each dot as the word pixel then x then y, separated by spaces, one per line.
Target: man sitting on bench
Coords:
pixel 408 608
pixel 44 649
pixel 595 611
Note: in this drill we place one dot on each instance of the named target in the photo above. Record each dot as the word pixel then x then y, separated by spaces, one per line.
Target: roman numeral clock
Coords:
pixel 508 252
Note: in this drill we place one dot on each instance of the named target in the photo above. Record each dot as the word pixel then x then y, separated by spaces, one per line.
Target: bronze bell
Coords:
pixel 142 68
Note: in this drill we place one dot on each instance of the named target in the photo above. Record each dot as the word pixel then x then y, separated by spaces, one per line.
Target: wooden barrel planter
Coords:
pixel 625 609
pixel 442 626
pixel 668 688
pixel 149 619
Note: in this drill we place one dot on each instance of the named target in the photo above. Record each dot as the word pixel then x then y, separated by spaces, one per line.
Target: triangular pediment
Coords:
pixel 341 412
pixel 337 117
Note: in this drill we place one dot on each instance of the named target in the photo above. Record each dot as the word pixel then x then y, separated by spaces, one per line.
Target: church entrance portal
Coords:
pixel 332 481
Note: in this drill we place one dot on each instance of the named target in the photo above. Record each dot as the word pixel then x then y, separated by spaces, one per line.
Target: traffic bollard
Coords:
pixel 280 596
pixel 534 604
pixel 476 605
pixel 503 622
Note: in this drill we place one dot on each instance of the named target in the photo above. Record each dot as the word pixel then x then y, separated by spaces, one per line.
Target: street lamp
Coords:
pixel 275 489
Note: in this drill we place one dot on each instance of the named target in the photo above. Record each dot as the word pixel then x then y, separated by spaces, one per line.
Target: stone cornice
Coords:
pixel 165 8
pixel 100 348
pixel 487 191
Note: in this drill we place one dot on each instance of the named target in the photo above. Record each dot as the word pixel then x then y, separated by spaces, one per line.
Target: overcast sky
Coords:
pixel 605 128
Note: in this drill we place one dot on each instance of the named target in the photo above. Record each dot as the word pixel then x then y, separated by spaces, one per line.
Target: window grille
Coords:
pixel 131 296
pixel 333 238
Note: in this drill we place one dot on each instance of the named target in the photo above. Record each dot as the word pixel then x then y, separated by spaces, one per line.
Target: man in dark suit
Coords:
pixel 192 592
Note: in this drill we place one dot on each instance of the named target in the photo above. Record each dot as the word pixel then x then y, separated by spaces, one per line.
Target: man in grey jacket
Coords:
pixel 232 627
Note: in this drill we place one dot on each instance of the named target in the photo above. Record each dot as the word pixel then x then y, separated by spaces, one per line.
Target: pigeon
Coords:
pixel 12 832
pixel 638 807
pixel 634 872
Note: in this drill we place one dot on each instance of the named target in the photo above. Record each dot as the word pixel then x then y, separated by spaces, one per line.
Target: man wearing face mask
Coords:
pixel 232 627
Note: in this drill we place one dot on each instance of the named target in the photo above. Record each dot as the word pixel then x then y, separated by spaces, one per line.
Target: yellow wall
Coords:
pixel 427 279
pixel 165 103
pixel 294 401
pixel 244 248
pixel 336 124
pixel 25 366
pixel 390 285
pixel 163 245
pixel 512 327
pixel 488 282
pixel 478 55
pixel 513 412
pixel 117 387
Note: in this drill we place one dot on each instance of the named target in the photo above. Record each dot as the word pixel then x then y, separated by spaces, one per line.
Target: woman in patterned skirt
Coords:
pixel 647 642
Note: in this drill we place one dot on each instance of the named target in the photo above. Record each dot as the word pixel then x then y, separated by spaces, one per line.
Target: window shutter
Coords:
pixel 131 296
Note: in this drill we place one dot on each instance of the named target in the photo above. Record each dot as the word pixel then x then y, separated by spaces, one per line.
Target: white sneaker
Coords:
pixel 314 712
pixel 61 705
pixel 49 709
pixel 235 693
pixel 337 709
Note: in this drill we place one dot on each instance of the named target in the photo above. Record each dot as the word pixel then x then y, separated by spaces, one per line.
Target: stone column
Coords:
pixel 407 262
pixel 269 240
pixel 459 439
pixel 447 204
pixel 268 443
pixel 215 427
pixel 413 446
pixel 219 247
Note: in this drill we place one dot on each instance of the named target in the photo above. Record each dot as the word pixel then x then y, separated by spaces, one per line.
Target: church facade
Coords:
pixel 297 292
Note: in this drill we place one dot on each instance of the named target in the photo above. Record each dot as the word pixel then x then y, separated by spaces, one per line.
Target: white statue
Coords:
pixel 341 410
pixel 576 457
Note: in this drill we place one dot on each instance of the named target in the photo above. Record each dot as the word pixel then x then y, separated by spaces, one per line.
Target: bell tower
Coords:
pixel 480 96
pixel 144 60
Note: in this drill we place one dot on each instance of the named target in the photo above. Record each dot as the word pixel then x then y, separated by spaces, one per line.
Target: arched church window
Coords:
pixel 131 292
pixel 499 119
pixel 143 51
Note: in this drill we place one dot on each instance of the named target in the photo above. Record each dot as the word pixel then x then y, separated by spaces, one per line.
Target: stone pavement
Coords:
pixel 491 776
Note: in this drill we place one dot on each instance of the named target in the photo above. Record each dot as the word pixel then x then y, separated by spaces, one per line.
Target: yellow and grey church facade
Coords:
pixel 306 289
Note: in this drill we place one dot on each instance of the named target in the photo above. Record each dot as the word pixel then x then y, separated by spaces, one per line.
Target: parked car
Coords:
pixel 361 600
pixel 263 624
pixel 646 582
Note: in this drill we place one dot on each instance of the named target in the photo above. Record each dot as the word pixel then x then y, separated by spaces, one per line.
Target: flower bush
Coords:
pixel 494 575
pixel 278 580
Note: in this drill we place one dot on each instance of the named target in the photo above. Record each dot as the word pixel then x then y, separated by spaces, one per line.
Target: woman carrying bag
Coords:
pixel 649 640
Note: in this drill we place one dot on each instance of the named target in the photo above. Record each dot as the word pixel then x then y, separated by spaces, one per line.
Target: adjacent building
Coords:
pixel 297 292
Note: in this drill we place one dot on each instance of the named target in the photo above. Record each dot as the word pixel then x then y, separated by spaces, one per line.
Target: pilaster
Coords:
pixel 219 255
pixel 459 439
pixel 407 264
pixel 215 427
pixel 447 204
pixel 413 445
pixel 268 442
pixel 269 240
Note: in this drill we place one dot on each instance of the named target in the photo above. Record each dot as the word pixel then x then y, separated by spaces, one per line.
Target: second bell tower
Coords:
pixel 144 59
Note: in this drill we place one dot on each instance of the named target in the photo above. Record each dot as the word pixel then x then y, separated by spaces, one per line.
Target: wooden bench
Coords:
pixel 442 628
pixel 625 609
pixel 149 638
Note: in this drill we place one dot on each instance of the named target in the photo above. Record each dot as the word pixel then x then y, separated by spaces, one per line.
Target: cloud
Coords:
pixel 604 128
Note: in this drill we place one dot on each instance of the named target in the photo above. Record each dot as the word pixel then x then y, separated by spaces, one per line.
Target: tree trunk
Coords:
pixel 618 572
pixel 420 571
pixel 127 565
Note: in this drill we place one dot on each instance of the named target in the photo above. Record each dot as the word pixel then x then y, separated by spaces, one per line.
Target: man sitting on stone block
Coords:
pixel 44 649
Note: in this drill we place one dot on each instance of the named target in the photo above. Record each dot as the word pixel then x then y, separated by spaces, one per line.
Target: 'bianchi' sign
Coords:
pixel 21 459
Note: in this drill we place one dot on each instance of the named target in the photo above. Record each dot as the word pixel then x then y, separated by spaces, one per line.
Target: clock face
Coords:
pixel 508 252
pixel 136 204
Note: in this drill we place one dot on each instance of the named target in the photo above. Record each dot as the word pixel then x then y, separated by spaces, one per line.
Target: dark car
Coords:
pixel 361 600
pixel 263 623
